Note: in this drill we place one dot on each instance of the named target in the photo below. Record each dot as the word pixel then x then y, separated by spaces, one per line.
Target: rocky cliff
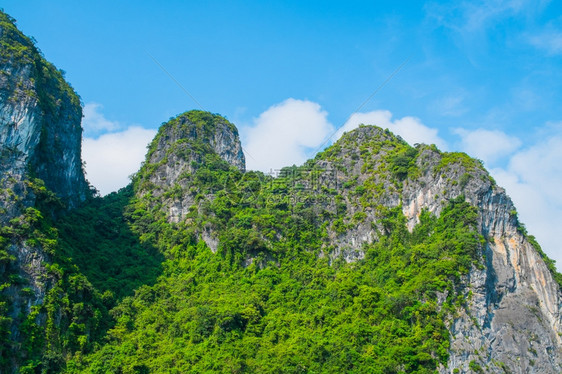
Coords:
pixel 40 116
pixel 514 310
pixel 180 148
pixel 513 315
pixel 40 176
pixel 510 319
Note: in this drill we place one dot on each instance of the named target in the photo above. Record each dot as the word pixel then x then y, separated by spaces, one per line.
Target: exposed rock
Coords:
pixel 512 321
pixel 513 316
pixel 40 148
pixel 40 117
pixel 179 149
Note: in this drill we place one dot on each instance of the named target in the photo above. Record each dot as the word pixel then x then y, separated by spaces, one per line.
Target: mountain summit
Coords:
pixel 375 256
pixel 40 116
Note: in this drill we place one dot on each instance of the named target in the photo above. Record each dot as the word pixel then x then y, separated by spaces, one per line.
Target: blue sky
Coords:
pixel 484 77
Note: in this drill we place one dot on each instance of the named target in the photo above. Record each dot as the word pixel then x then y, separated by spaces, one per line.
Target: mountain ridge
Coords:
pixel 377 174
pixel 374 256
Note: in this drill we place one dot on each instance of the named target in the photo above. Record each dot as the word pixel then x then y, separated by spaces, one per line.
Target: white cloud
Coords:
pixel 111 158
pixel 540 166
pixel 487 145
pixel 287 133
pixel 94 122
pixel 284 133
pixel 410 129
pixel 111 152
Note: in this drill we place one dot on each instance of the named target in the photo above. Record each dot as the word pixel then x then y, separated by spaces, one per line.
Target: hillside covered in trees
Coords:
pixel 375 256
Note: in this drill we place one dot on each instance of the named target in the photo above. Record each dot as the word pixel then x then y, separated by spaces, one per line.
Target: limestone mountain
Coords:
pixel 40 115
pixel 41 177
pixel 375 256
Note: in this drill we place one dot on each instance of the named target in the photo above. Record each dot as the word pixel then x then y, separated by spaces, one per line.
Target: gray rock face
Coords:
pixel 179 149
pixel 513 321
pixel 40 137
pixel 40 118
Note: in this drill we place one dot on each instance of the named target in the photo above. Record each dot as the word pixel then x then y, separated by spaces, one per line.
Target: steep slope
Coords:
pixel 47 308
pixel 375 256
pixel 40 118
pixel 513 313
pixel 180 148
pixel 514 310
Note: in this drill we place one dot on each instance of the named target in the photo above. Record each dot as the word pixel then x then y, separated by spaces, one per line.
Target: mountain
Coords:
pixel 375 256
pixel 41 116
pixel 41 178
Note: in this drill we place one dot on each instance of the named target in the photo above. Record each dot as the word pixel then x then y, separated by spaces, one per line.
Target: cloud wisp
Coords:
pixel 472 24
pixel 94 122
pixel 548 40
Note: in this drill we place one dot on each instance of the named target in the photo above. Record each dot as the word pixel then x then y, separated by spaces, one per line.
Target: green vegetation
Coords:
pixel 192 131
pixel 15 46
pixel 475 367
pixel 403 162
pixel 247 280
pixel 459 158
pixel 48 83
pixel 99 241
pixel 207 312
pixel 73 314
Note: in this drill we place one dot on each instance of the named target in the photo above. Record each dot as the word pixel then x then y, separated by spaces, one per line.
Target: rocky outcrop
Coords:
pixel 40 116
pixel 512 319
pixel 40 163
pixel 179 149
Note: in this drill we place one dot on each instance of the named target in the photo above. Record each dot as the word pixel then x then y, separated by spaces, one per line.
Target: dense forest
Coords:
pixel 142 294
